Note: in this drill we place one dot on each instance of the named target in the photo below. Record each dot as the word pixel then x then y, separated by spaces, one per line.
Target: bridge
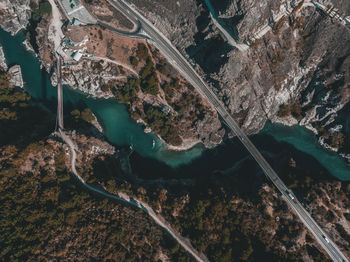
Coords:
pixel 120 197
pixel 59 120
pixel 183 66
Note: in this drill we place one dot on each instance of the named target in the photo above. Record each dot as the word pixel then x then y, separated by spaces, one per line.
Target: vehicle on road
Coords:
pixel 290 194
pixel 184 67
pixel 325 238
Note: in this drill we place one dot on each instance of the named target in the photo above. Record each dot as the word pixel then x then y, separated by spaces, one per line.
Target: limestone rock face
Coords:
pixel 295 65
pixel 14 15
pixel 87 78
pixel 297 57
pixel 3 65
pixel 243 18
pixel 209 130
pixel 295 70
pixel 177 20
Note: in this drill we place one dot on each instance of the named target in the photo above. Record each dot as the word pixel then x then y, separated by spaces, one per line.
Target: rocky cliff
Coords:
pixel 157 97
pixel 295 70
pixel 14 15
pixel 236 213
pixel 3 65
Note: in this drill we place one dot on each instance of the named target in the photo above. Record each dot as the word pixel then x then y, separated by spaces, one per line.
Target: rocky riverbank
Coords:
pixel 15 76
pixel 137 75
pixel 3 65
pixel 14 15
pixel 295 71
pixel 36 164
pixel 28 46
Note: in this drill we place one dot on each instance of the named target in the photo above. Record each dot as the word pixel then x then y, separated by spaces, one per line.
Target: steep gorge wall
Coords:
pixel 296 73
pixel 14 15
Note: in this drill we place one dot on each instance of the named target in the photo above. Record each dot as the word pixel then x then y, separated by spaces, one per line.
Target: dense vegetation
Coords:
pixel 149 81
pixel 16 120
pixel 39 11
pixel 187 106
pixel 149 78
pixel 231 218
pixel 239 216
pixel 163 125
pixel 221 221
pixel 84 115
pixel 293 109
pixel 45 214
pixel 128 93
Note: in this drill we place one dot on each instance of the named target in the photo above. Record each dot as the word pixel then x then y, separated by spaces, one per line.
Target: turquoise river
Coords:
pixel 152 157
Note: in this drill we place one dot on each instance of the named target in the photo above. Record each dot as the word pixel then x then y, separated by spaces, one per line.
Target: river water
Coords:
pixel 119 128
pixel 151 160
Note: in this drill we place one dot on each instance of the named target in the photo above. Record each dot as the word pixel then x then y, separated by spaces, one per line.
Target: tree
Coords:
pixel 142 51
pixel 41 10
pixel 162 69
pixel 87 115
pixel 45 8
pixel 134 61
pixel 75 114
pixel 128 93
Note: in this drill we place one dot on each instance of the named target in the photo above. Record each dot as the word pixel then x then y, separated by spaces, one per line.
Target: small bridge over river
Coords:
pixel 59 120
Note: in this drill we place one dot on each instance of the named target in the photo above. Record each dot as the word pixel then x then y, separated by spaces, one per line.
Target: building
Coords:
pixel 77 56
pixel 76 21
pixel 165 109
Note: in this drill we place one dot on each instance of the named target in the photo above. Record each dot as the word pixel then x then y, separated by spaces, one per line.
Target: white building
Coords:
pixel 77 56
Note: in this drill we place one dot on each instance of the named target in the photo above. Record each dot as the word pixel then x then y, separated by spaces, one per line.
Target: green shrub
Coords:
pixel 128 93
pixel 134 61
pixel 162 69
pixel 149 79
pixel 142 51
pixel 75 114
pixel 39 12
pixel 87 115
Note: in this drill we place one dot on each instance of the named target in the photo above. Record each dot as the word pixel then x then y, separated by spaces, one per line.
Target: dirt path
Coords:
pixel 97 58
pixel 55 33
pixel 185 243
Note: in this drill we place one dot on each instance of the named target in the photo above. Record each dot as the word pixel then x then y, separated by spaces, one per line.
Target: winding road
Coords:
pixel 135 33
pixel 184 242
pixel 147 31
pixel 183 66
pixel 98 58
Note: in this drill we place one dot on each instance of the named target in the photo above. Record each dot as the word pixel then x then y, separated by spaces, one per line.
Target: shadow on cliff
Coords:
pixel 209 53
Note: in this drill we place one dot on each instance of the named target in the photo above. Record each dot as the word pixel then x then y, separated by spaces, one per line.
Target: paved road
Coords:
pixel 184 242
pixel 173 55
pixel 135 33
pixel 59 94
pixel 122 197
